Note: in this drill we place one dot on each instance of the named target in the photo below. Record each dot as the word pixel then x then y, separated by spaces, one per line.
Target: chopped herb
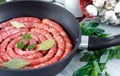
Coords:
pixel 47 44
pixel 31 46
pixel 27 36
pixel 20 45
pixel 15 64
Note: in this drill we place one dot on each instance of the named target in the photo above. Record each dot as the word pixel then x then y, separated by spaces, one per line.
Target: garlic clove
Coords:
pixel 102 19
pixel 117 8
pixel 110 4
pixel 110 15
pixel 102 12
pixel 92 10
pixel 98 3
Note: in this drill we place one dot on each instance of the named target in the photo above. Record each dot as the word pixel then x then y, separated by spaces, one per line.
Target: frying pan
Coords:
pixel 65 19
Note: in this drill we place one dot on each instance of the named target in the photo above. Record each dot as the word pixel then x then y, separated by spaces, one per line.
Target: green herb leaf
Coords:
pixel 92 30
pixel 96 69
pixel 93 24
pixel 17 24
pixel 103 35
pixel 106 74
pixel 104 57
pixel 102 66
pixel 15 64
pixel 84 71
pixel 47 44
pixel 31 46
pixel 118 55
pixel 87 56
pixel 20 45
pixel 27 36
pixel 99 31
pixel 117 48
pixel 112 53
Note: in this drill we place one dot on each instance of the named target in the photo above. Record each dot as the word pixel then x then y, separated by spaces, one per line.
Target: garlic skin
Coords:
pixel 98 3
pixel 103 20
pixel 117 8
pixel 110 16
pixel 92 10
pixel 102 12
pixel 117 22
pixel 117 14
pixel 110 4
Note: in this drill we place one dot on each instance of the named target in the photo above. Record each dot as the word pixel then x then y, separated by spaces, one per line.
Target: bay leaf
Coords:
pixel 15 64
pixel 47 44
pixel 17 24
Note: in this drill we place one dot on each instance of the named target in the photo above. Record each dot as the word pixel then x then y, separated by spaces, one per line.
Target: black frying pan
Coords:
pixel 61 16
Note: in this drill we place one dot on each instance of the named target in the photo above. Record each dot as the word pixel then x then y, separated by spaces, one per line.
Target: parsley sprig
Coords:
pixel 26 36
pixel 31 46
pixel 96 60
pixel 21 44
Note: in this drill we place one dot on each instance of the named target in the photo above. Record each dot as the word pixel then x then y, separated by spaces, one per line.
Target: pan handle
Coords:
pixel 95 43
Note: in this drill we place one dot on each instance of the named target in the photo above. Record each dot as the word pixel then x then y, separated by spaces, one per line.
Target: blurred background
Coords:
pixel 71 5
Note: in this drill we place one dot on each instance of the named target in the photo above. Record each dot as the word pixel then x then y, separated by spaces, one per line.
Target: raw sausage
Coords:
pixel 39 30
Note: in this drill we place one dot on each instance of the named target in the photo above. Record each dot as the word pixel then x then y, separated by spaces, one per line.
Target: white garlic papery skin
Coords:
pixel 102 19
pixel 98 3
pixel 92 10
pixel 110 16
pixel 101 11
pixel 117 22
pixel 117 8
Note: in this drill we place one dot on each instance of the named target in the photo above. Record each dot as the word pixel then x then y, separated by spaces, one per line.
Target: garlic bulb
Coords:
pixel 92 10
pixel 107 10
pixel 98 3
pixel 117 8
